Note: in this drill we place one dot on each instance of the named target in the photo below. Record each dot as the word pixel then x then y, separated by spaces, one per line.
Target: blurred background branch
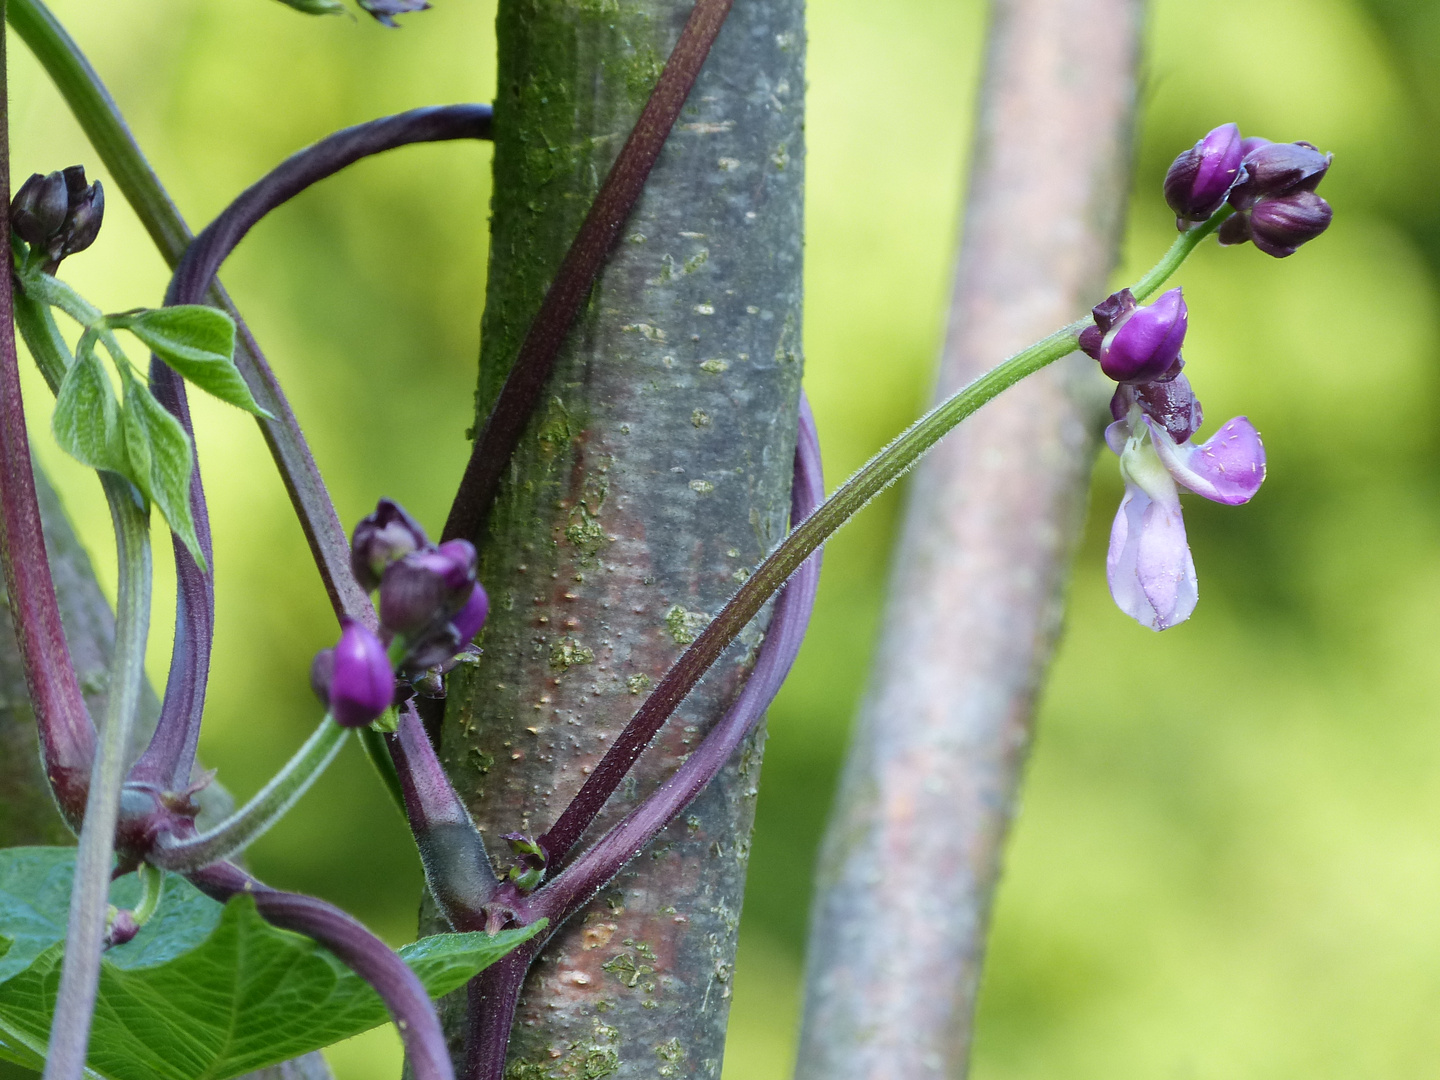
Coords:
pixel 913 852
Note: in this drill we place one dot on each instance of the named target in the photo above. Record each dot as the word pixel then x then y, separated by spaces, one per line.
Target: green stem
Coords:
pixel 152 885
pixel 89 897
pixel 100 119
pixel 1179 251
pixel 375 749
pixel 266 808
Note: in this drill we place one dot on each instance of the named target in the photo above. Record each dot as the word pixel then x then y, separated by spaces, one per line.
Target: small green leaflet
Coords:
pixel 316 7
pixel 86 421
pixel 198 342
pixel 161 458
pixel 205 991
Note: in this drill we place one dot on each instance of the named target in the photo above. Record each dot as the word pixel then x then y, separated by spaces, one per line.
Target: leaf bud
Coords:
pixel 380 539
pixel 1144 343
pixel 1200 178
pixel 362 685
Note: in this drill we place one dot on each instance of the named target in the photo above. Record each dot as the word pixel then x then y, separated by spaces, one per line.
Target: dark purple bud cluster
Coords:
pixel 1137 344
pixel 58 214
pixel 429 598
pixel 1271 185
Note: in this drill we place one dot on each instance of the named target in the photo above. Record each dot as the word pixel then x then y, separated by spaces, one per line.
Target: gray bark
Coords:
pixel 912 855
pixel 656 472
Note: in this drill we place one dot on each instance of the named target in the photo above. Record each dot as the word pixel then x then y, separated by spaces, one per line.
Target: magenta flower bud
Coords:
pixel 427 587
pixel 120 927
pixel 362 685
pixel 380 539
pixel 1279 169
pixel 472 616
pixel 38 209
pixel 1280 225
pixel 1201 177
pixel 1145 343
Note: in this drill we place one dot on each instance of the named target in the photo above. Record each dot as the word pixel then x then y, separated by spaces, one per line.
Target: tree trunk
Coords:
pixel 655 473
pixel 912 855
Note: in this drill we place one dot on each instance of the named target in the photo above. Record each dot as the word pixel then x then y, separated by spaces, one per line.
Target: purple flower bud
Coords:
pixel 120 927
pixel 1201 177
pixel 1280 225
pixel 381 538
pixel 86 212
pixel 1144 344
pixel 1279 169
pixel 362 685
pixel 38 209
pixel 322 670
pixel 472 616
pixel 1234 230
pixel 427 587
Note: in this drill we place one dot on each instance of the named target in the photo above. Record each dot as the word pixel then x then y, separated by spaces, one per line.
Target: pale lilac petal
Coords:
pixel 1227 468
pixel 1116 436
pixel 1151 573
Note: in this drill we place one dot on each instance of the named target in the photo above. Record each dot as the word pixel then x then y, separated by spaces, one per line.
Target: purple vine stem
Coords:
pixel 66 730
pixel 490 456
pixel 495 992
pixel 171 753
pixel 358 949
pixel 452 851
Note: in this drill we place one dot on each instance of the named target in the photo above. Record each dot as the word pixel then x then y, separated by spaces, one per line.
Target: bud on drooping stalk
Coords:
pixel 362 685
pixel 1137 344
pixel 120 927
pixel 384 11
pixel 1199 179
pixel 58 214
pixel 1276 201
pixel 380 539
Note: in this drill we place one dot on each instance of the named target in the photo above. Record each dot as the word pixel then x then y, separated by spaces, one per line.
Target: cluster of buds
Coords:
pixel 1270 185
pixel 58 214
pixel 1156 413
pixel 431 607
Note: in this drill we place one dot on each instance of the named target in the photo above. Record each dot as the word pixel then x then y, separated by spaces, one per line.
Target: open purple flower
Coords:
pixel 1151 573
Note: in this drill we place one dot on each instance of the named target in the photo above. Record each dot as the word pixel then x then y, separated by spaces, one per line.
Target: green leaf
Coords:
pixel 161 458
pixel 203 992
pixel 316 7
pixel 86 421
pixel 199 343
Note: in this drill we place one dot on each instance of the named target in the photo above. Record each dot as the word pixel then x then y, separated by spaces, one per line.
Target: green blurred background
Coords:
pixel 1228 860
